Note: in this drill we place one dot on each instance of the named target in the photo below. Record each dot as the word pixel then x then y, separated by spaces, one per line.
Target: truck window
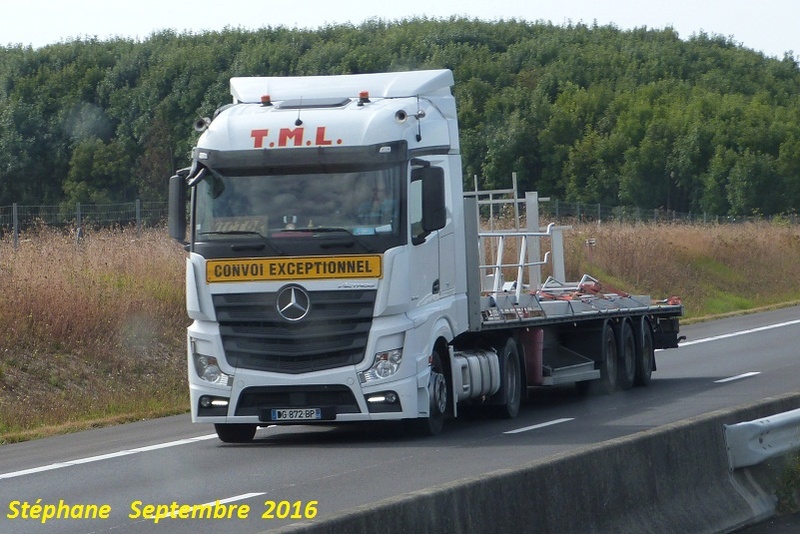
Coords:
pixel 362 202
pixel 415 209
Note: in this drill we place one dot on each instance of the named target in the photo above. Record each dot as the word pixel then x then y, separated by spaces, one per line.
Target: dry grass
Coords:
pixel 93 333
pixel 715 269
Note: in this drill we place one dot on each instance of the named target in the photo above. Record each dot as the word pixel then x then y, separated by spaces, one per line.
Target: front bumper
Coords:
pixel 338 395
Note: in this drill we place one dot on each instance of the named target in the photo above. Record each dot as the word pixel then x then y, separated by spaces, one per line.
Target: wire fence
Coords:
pixel 140 214
pixel 560 212
pixel 585 212
pixel 17 218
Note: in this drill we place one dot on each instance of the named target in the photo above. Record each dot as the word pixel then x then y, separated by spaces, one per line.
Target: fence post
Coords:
pixel 79 223
pixel 15 222
pixel 138 218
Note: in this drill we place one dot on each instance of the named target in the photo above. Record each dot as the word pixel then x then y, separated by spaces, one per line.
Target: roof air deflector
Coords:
pixel 315 103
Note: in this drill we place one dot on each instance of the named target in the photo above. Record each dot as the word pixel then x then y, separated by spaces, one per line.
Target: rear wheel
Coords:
pixel 510 393
pixel 627 356
pixel 608 361
pixel 439 400
pixel 235 432
pixel 645 358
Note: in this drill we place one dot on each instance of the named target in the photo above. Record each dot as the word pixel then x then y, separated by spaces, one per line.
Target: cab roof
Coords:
pixel 379 85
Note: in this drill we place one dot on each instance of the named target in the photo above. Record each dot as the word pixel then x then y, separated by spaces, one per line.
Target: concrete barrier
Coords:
pixel 673 478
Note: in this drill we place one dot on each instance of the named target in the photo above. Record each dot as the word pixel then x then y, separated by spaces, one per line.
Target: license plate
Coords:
pixel 296 414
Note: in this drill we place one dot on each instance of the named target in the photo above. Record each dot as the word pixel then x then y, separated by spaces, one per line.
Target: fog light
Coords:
pixel 209 406
pixel 386 397
pixel 208 402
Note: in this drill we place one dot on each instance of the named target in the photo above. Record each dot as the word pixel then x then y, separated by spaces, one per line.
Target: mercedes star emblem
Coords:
pixel 293 303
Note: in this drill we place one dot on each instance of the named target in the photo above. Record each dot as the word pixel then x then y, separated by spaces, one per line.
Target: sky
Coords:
pixel 768 26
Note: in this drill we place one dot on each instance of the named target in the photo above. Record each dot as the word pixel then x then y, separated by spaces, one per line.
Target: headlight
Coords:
pixel 385 365
pixel 207 368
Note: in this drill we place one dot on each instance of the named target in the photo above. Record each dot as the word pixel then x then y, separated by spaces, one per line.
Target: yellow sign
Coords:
pixel 299 268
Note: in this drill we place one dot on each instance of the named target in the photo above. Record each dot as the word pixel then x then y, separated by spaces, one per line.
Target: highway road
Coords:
pixel 288 473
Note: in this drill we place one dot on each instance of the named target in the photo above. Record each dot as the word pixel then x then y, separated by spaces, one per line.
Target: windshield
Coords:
pixel 362 203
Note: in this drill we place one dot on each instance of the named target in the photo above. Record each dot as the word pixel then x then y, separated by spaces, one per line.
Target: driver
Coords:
pixel 380 206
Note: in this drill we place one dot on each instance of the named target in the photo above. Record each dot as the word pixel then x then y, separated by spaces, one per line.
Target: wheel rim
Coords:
pixel 439 393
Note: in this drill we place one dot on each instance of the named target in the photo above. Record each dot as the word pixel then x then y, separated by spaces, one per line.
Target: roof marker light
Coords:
pixel 363 98
pixel 266 100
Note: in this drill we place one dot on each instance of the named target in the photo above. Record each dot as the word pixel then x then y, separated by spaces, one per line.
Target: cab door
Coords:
pixel 427 216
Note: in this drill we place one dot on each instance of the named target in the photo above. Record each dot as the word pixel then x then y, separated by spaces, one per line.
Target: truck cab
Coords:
pixel 325 223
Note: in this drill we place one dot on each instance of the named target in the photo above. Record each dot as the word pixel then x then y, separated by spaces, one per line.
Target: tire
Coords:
pixel 608 361
pixel 439 398
pixel 645 357
pixel 510 394
pixel 235 432
pixel 627 357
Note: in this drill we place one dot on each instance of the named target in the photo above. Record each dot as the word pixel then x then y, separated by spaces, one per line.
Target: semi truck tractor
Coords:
pixel 338 272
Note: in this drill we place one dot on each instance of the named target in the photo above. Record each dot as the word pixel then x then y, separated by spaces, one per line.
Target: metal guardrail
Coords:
pixel 752 442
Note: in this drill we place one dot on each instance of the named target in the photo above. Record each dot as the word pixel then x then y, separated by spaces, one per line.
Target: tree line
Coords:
pixel 584 113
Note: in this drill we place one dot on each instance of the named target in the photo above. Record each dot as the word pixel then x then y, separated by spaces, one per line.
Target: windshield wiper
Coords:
pixel 334 230
pixel 240 246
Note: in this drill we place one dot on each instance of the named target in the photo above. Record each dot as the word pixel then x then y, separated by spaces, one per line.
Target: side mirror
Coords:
pixel 177 207
pixel 434 207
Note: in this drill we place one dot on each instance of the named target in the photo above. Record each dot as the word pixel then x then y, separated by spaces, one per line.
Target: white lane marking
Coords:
pixel 540 425
pixel 100 457
pixel 741 333
pixel 737 377
pixel 241 497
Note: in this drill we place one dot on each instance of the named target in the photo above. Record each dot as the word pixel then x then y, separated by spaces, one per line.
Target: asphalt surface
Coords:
pixel 782 524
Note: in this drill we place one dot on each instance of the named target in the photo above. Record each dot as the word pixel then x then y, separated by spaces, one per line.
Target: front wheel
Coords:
pixel 439 400
pixel 235 432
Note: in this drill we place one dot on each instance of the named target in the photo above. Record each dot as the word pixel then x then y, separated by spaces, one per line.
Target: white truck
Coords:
pixel 336 271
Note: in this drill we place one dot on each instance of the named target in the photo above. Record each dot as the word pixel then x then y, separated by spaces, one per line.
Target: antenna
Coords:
pixel 420 115
pixel 299 121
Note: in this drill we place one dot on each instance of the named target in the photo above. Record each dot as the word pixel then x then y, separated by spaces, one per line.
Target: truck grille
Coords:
pixel 333 334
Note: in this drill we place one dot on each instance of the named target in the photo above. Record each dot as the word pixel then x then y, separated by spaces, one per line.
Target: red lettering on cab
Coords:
pixel 258 137
pixel 321 141
pixel 287 134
